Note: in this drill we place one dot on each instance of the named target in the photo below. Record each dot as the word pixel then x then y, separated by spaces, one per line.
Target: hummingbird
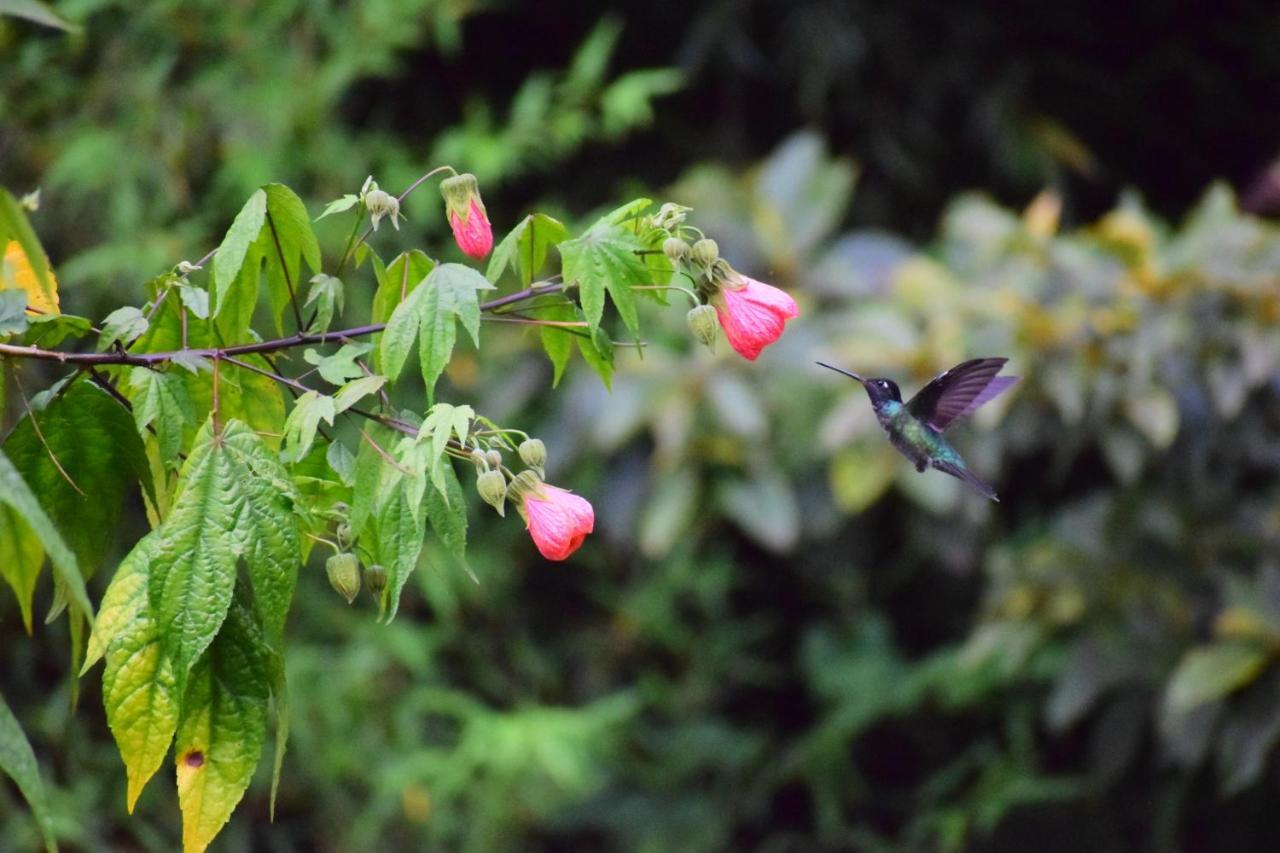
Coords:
pixel 915 427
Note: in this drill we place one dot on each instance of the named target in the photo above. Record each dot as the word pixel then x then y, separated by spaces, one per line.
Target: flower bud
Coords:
pixel 703 324
pixel 375 578
pixel 494 458
pixel 344 575
pixel 480 459
pixel 675 249
pixel 343 534
pixel 492 487
pixel 523 483
pixel 380 204
pixel 670 215
pixel 705 252
pixel 466 214
pixel 533 452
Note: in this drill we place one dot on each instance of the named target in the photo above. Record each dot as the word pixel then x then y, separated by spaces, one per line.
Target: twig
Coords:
pixel 151 359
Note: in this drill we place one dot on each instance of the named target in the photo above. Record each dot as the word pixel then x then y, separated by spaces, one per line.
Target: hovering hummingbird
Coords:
pixel 916 427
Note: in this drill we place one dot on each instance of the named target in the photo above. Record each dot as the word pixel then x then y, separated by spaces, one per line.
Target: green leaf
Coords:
pixel 21 558
pixel 597 351
pixel 626 212
pixel 37 11
pixel 14 226
pixel 139 687
pixel 443 421
pixel 280 701
pixel 255 399
pixel 160 401
pixel 191 362
pixel 327 297
pixel 268 540
pixel 342 461
pixel 397 542
pixel 223 728
pixel 300 428
pixel 351 393
pixel 13 312
pixel 449 294
pixel 122 326
pixel 49 330
pixel 1211 672
pixel 194 570
pixel 231 255
pixel 447 512
pixel 400 278
pixel 96 445
pixel 15 493
pixel 234 503
pixel 124 602
pixel 292 242
pixel 19 763
pixel 338 205
pixel 604 260
pixel 557 341
pixel 234 309
pixel 524 249
pixel 340 367
pixel 195 299
pixel 373 475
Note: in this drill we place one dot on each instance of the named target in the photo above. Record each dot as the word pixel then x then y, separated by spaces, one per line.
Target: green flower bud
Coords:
pixel 458 192
pixel 722 275
pixel 344 575
pixel 375 578
pixel 704 324
pixel 480 459
pixel 523 482
pixel 705 252
pixel 494 458
pixel 670 215
pixel 526 481
pixel 343 534
pixel 675 249
pixel 380 204
pixel 492 488
pixel 533 452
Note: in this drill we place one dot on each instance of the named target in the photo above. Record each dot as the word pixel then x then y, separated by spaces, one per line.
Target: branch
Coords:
pixel 153 359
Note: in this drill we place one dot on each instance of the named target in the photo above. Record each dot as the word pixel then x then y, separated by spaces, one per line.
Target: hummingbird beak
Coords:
pixel 848 373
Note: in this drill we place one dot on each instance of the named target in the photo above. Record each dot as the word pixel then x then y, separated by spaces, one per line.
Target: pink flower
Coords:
pixel 752 315
pixel 472 231
pixel 558 520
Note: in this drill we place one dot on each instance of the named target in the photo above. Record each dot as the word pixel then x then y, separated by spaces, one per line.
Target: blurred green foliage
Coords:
pixel 149 129
pixel 781 637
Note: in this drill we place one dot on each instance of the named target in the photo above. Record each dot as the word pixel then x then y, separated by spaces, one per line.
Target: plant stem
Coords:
pixel 153 359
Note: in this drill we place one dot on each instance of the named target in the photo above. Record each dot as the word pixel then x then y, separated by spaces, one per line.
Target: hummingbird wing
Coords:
pixel 959 391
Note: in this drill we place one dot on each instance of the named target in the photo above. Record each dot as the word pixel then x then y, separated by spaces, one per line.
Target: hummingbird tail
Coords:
pixel 967 477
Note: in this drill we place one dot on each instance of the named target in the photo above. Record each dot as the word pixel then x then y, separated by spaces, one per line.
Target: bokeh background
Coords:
pixel 781 637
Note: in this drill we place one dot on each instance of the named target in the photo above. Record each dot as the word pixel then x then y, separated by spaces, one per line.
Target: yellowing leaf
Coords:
pixel 220 738
pixel 139 689
pixel 19 275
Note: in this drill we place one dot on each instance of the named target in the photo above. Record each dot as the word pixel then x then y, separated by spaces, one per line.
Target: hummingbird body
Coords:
pixel 915 428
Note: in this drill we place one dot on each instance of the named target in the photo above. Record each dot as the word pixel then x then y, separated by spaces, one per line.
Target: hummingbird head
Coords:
pixel 880 391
